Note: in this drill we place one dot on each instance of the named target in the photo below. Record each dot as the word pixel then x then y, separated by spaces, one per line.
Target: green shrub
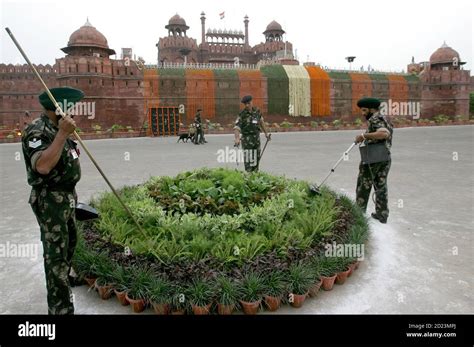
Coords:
pixel 251 287
pixel 226 291
pixel 274 284
pixel 336 122
pixel 160 290
pixel 200 292
pixel 300 279
pixel 441 119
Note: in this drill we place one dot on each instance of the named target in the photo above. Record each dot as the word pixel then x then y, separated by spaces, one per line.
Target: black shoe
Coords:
pixel 75 282
pixel 379 218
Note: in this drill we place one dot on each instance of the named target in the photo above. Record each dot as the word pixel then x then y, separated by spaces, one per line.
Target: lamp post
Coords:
pixel 350 59
pixel 185 52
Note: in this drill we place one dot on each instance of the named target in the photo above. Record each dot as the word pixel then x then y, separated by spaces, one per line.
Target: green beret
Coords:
pixel 368 103
pixel 246 99
pixel 63 95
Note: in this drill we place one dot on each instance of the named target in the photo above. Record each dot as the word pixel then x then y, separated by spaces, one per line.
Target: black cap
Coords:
pixel 368 103
pixel 246 99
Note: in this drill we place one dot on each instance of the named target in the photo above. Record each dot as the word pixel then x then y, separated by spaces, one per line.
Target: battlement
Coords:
pixel 25 69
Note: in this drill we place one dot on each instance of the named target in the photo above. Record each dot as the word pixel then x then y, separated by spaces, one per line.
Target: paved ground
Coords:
pixel 421 262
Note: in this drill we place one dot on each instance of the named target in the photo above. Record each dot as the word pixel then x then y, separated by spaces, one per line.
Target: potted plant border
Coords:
pixel 226 295
pixel 250 293
pixel 200 294
pixel 139 289
pixel 328 270
pixel 274 289
pixel 160 296
pixel 300 280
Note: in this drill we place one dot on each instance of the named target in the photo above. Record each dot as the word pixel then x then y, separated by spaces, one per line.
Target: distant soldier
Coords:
pixel 249 123
pixel 52 167
pixel 199 137
pixel 376 159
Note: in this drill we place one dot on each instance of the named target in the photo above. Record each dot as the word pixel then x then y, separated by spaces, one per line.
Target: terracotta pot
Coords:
pixel 356 266
pixel 298 299
pixel 328 282
pixel 250 308
pixel 122 297
pixel 105 292
pixel 161 309
pixel 341 277
pixel 273 302
pixel 313 291
pixel 179 312
pixel 90 281
pixel 138 305
pixel 201 310
pixel 352 268
pixel 225 310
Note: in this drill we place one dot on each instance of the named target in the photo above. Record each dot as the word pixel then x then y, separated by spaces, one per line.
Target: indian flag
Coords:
pixel 222 15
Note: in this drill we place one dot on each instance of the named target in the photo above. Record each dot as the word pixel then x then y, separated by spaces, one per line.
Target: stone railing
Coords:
pixel 210 66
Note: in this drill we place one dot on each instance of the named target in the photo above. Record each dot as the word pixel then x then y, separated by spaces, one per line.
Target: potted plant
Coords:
pixel 139 288
pixel 122 279
pixel 250 293
pixel 178 301
pixel 85 265
pixel 226 295
pixel 344 270
pixel 200 294
pixel 160 295
pixel 274 288
pixel 328 272
pixel 317 281
pixel 300 280
pixel 104 268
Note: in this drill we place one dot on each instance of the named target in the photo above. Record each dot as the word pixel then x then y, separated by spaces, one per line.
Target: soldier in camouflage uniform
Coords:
pixel 379 130
pixel 53 169
pixel 249 123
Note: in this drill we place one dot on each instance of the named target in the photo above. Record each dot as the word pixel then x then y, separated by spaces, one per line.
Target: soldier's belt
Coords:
pixel 374 153
pixel 56 187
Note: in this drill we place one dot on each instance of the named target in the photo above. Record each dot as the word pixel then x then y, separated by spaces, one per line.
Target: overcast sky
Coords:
pixel 384 34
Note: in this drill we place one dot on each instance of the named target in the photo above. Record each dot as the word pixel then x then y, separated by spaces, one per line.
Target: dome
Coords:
pixel 274 26
pixel 177 20
pixel 444 54
pixel 87 36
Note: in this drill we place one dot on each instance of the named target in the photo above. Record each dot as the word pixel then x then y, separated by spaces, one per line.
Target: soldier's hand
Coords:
pixel 237 143
pixel 359 138
pixel 67 125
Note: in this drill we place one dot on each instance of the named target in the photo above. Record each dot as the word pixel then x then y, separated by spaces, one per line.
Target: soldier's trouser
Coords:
pixel 55 213
pixel 365 183
pixel 251 156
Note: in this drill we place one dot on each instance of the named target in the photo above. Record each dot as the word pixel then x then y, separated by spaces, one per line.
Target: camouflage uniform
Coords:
pixel 199 136
pixel 379 172
pixel 248 123
pixel 53 200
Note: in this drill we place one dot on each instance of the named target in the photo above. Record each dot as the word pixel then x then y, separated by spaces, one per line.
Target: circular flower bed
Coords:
pixel 216 240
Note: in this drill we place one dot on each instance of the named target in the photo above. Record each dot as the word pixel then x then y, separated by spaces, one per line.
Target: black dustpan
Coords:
pixel 85 212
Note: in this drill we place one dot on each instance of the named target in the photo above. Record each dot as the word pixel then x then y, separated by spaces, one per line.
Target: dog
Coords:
pixel 184 137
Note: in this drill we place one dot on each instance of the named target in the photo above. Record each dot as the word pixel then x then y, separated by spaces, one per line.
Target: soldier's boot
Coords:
pixel 380 218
